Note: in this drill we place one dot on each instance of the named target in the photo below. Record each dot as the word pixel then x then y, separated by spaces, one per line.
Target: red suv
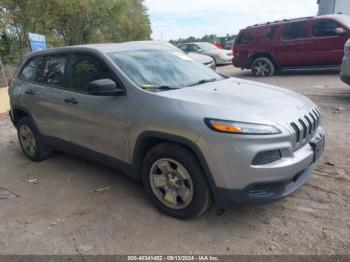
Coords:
pixel 304 42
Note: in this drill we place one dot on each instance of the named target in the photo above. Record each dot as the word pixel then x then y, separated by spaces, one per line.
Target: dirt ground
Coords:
pixel 50 207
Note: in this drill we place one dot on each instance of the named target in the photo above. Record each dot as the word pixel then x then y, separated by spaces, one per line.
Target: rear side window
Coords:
pixel 87 68
pixel 324 28
pixel 51 70
pixel 183 48
pixel 294 31
pixel 28 71
pixel 243 38
pixel 272 33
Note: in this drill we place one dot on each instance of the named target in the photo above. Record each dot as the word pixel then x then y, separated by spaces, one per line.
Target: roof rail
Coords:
pixel 280 21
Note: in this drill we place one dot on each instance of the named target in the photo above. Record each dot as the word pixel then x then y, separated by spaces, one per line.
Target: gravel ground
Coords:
pixel 50 207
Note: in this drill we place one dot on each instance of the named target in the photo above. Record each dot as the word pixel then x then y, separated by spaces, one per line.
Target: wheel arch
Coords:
pixel 19 112
pixel 258 55
pixel 149 139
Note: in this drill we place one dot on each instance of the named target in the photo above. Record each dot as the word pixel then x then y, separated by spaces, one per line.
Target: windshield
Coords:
pixel 206 46
pixel 162 68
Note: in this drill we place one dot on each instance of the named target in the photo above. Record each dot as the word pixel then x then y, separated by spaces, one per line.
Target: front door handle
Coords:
pixel 30 92
pixel 71 100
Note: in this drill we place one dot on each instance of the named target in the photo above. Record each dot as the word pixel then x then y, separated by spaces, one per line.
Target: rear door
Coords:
pixel 326 46
pixel 98 123
pixel 42 80
pixel 292 46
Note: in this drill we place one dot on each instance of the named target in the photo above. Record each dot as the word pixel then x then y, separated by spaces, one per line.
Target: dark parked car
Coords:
pixel 304 42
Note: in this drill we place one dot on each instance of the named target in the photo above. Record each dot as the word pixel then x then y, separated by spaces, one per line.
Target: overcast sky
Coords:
pixel 172 19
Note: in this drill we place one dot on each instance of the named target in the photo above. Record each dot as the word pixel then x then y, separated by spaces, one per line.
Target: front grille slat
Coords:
pixel 304 130
pixel 305 126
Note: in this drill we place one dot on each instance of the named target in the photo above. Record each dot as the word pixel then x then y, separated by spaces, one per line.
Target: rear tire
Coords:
pixel 31 143
pixel 263 67
pixel 174 181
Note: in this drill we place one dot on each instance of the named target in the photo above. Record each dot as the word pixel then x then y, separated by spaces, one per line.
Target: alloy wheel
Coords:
pixel 171 183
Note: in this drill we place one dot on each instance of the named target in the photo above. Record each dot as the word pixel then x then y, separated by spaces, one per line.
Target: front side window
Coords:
pixel 28 71
pixel 51 70
pixel 87 68
pixel 183 48
pixel 325 28
pixel 162 67
pixel 294 31
pixel 194 48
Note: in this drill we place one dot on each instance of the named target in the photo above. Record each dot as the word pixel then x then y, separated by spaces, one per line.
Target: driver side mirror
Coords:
pixel 104 87
pixel 340 31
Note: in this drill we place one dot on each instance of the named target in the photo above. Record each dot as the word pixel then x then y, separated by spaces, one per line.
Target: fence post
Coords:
pixel 3 72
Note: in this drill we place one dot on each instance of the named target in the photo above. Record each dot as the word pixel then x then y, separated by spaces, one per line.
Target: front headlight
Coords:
pixel 240 127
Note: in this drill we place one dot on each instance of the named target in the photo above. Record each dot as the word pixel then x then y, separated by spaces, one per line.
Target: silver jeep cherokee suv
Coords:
pixel 189 133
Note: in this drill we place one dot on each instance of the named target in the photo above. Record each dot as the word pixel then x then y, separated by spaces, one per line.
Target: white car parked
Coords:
pixel 220 56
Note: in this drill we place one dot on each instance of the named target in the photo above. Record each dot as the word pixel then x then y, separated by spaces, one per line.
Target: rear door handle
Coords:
pixel 30 92
pixel 71 100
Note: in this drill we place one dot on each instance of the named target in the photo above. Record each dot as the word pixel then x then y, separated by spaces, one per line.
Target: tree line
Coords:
pixel 67 22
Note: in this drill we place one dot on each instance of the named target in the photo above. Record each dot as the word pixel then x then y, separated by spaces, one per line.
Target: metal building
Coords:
pixel 326 7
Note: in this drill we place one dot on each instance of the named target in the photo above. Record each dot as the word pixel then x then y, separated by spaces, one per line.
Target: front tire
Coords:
pixel 263 67
pixel 174 181
pixel 31 143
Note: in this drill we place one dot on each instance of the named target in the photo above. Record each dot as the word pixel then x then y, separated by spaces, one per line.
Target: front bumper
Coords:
pixel 345 70
pixel 236 181
pixel 223 61
pixel 262 193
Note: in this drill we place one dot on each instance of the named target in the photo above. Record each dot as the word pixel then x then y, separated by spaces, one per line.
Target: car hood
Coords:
pixel 204 59
pixel 241 100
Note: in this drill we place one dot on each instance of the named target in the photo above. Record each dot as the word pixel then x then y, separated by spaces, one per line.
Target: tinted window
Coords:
pixel 28 71
pixel 183 47
pixel 50 70
pixel 324 28
pixel 294 31
pixel 243 38
pixel 193 48
pixel 86 68
pixel 272 32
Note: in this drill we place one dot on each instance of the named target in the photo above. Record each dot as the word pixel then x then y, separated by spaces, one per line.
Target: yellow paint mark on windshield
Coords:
pixel 148 86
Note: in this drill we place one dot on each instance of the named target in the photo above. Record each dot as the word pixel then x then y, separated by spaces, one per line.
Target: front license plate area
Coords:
pixel 318 147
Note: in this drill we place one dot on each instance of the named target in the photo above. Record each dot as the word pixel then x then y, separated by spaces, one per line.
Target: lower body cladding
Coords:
pixel 239 178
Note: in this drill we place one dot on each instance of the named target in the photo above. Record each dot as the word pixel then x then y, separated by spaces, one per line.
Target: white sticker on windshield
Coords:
pixel 182 56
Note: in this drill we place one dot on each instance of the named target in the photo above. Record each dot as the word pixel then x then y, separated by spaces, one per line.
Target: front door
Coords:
pixel 98 123
pixel 327 46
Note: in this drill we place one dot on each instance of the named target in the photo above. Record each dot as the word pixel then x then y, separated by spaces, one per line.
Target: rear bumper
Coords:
pixel 240 63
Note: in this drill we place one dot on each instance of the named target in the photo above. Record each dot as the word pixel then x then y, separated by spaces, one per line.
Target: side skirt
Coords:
pixel 70 148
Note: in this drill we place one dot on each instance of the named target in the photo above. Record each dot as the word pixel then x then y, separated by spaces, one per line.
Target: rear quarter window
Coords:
pixel 29 70
pixel 243 38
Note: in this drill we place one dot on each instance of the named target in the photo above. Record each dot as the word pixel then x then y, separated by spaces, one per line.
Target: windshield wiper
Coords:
pixel 203 81
pixel 161 88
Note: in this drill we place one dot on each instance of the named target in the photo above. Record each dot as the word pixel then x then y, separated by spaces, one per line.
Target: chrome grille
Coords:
pixel 305 126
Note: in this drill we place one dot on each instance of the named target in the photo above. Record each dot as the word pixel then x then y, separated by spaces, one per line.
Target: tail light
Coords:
pixel 234 51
